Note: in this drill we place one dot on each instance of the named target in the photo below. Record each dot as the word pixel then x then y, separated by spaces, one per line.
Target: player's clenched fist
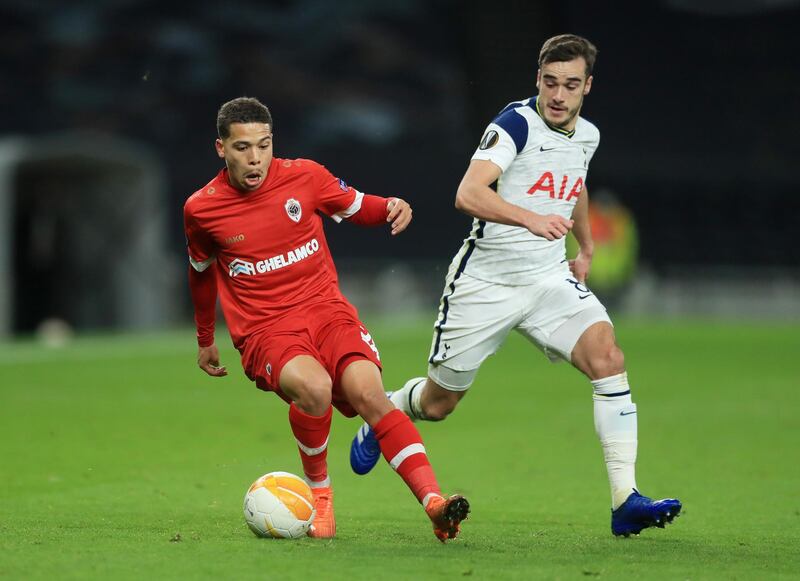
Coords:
pixel 399 215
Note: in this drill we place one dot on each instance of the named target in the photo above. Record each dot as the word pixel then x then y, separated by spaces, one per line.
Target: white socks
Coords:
pixel 615 423
pixel 407 398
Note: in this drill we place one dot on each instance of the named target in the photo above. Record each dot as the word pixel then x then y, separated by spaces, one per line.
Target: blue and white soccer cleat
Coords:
pixel 640 512
pixel 364 451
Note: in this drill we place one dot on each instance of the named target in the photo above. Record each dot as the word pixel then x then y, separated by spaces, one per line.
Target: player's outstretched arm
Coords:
pixel 376 210
pixel 208 361
pixel 476 198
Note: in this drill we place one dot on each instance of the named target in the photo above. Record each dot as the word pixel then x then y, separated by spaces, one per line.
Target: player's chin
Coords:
pixel 558 118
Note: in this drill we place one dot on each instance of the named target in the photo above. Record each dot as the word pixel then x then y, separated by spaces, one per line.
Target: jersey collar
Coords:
pixel 552 127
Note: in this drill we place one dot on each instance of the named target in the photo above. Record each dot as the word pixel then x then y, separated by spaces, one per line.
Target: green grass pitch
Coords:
pixel 119 459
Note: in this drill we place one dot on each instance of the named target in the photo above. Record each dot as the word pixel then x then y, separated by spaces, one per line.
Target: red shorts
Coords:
pixel 329 332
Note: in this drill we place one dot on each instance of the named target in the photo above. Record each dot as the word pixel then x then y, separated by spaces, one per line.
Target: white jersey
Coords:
pixel 544 170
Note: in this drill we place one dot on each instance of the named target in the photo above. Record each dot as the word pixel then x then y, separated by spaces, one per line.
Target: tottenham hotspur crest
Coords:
pixel 293 209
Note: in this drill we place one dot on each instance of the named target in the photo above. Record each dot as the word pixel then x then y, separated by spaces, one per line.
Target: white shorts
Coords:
pixel 476 316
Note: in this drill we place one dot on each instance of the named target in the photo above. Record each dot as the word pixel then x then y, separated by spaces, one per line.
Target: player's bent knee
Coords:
pixel 618 360
pixel 607 362
pixel 313 395
pixel 369 400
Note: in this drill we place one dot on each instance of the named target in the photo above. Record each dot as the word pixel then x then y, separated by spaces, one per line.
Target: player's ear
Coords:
pixel 588 86
pixel 220 149
pixel 538 77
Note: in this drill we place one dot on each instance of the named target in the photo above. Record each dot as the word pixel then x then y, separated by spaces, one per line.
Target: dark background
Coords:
pixel 695 101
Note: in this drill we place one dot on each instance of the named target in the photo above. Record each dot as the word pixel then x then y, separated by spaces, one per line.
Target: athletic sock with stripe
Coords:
pixel 402 447
pixel 311 433
pixel 407 398
pixel 615 423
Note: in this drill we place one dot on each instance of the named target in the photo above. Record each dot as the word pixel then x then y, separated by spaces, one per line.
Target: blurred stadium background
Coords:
pixel 108 125
pixel 122 460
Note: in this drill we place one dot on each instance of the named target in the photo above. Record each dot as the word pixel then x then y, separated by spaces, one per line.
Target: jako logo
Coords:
pixel 234 239
pixel 239 266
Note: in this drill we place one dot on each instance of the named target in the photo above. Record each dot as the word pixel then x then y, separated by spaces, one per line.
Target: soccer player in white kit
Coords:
pixel 511 273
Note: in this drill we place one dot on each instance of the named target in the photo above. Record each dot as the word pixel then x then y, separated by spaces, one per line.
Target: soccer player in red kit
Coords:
pixel 255 238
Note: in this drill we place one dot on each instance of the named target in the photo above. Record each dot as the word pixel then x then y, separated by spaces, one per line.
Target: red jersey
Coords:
pixel 268 246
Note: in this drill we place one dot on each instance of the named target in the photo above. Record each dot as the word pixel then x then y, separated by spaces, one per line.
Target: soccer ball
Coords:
pixel 279 505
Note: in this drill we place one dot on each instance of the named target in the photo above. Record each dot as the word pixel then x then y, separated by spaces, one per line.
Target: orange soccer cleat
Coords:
pixel 324 526
pixel 446 515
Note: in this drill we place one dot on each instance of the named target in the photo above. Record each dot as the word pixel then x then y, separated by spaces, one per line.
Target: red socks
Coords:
pixel 399 440
pixel 311 433
pixel 402 447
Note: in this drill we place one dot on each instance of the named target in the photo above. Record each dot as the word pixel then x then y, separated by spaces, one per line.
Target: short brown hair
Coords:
pixel 241 110
pixel 567 47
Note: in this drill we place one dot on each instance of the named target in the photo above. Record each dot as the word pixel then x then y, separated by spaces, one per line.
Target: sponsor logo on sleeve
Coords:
pixel 342 185
pixel 489 140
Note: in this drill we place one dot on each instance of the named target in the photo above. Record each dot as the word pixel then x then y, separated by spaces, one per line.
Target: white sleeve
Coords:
pixel 592 148
pixel 349 210
pixel 200 266
pixel 592 140
pixel 496 146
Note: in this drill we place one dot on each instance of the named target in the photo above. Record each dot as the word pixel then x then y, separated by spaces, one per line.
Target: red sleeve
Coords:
pixel 338 200
pixel 198 242
pixel 373 211
pixel 203 287
pixel 335 196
